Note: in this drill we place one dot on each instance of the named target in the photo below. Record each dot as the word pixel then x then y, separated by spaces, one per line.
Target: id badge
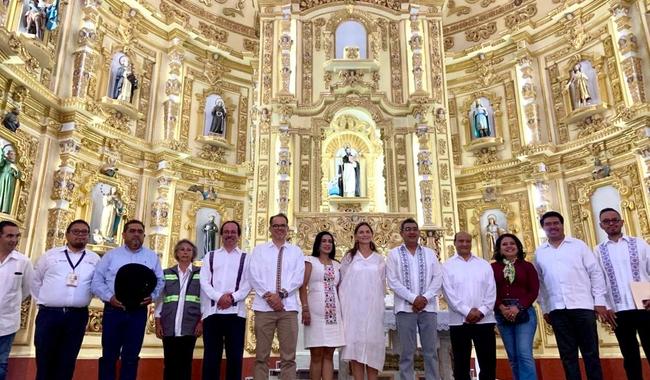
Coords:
pixel 72 279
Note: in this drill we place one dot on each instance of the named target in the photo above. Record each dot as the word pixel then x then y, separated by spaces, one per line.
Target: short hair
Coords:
pixel 233 222
pixel 462 232
pixel 6 223
pixel 550 214
pixel 132 221
pixel 178 245
pixel 317 242
pixel 78 221
pixel 608 209
pixel 498 256
pixel 281 215
pixel 407 221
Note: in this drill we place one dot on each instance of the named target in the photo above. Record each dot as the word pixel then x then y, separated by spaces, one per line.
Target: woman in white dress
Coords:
pixel 321 309
pixel 363 281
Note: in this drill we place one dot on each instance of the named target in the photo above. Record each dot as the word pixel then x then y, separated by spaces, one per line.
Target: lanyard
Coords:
pixel 67 256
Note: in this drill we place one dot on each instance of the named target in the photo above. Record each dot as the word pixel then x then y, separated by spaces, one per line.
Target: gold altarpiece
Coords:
pixel 293 101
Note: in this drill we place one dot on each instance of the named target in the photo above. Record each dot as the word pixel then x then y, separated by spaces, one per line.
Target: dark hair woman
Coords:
pixel 321 308
pixel 517 288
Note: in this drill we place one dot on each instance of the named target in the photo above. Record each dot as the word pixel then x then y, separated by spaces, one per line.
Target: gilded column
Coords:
pixel 527 92
pixel 63 190
pixel 159 231
pixel 284 164
pixel 416 42
pixel 628 51
pixel 286 44
pixel 424 173
pixel 173 86
pixel 84 81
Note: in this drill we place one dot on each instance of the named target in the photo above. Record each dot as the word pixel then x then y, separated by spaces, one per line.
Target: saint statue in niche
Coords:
pixel 34 18
pixel 111 216
pixel 125 81
pixel 210 230
pixel 9 173
pixel 480 120
pixel 579 84
pixel 348 174
pixel 218 124
pixel 492 233
pixel 11 120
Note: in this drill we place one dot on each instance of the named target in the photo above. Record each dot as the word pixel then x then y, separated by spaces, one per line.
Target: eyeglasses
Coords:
pixel 410 229
pixel 278 226
pixel 79 232
pixel 610 221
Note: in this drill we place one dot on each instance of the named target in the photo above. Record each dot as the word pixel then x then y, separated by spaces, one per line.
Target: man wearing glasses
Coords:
pixel 625 259
pixel 415 276
pixel 61 288
pixel 276 272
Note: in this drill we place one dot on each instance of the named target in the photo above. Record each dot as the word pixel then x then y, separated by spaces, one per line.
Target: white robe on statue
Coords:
pixel 349 179
pixel 363 282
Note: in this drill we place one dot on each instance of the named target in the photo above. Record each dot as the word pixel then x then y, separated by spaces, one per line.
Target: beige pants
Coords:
pixel 266 323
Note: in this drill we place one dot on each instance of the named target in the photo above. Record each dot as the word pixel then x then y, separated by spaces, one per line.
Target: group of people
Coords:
pixel 341 304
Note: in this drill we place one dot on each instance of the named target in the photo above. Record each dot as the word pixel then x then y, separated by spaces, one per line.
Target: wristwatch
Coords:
pixel 283 294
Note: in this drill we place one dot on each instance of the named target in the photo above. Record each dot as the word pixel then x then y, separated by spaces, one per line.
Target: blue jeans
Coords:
pixel 122 336
pixel 518 341
pixel 5 348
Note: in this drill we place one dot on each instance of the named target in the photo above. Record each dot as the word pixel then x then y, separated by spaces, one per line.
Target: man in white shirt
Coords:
pixel 415 277
pixel 61 288
pixel 276 272
pixel 625 259
pixel 470 290
pixel 15 277
pixel 572 286
pixel 224 287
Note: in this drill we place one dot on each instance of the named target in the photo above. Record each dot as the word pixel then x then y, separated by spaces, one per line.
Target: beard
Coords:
pixel 77 245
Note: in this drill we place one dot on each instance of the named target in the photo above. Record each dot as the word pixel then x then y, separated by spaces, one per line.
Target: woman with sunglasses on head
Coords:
pixel 321 309
pixel 363 282
pixel 517 288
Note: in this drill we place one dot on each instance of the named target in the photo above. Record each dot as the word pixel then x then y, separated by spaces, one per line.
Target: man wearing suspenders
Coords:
pixel 224 287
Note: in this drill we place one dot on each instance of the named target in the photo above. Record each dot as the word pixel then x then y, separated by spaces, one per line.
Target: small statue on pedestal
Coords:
pixel 10 120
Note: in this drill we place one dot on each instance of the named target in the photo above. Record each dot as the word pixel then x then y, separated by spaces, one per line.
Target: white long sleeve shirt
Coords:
pixel 263 269
pixel 396 282
pixel 224 278
pixel 15 279
pixel 49 284
pixel 467 285
pixel 569 276
pixel 619 254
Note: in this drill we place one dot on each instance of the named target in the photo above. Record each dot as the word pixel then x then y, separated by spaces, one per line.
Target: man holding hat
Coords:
pixel 127 278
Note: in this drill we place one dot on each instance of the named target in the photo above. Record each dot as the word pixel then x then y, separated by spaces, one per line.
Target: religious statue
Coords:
pixel 210 230
pixel 218 124
pixel 208 194
pixel 109 168
pixel 492 233
pixel 579 84
pixel 97 237
pixel 348 174
pixel 10 120
pixel 9 173
pixel 480 120
pixel 125 81
pixel 112 213
pixel 600 170
pixel 34 18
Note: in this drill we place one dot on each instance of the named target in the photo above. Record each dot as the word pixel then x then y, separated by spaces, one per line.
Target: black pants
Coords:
pixel 178 351
pixel 486 349
pixel 629 323
pixel 58 336
pixel 220 329
pixel 576 329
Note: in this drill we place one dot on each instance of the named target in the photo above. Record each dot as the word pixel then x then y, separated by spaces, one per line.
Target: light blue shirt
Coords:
pixel 103 285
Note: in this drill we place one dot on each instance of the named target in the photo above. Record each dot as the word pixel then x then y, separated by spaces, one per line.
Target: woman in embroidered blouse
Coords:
pixel 321 309
pixel 517 289
pixel 363 282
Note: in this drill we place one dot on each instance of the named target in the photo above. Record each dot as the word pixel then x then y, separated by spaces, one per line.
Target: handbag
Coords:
pixel 522 316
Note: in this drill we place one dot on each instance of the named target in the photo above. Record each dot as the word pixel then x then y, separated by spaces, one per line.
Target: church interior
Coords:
pixel 474 115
